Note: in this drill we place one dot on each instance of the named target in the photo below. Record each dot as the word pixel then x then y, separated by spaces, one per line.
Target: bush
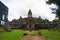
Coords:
pixel 39 33
pixel 25 34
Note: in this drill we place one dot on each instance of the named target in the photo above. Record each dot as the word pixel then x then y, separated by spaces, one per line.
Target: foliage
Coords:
pixel 25 34
pixel 58 13
pixel 39 33
pixel 56 2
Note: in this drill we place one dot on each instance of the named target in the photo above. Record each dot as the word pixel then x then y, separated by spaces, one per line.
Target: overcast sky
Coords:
pixel 19 8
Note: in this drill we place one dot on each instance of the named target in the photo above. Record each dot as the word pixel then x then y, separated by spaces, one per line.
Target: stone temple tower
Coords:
pixel 30 14
pixel 30 22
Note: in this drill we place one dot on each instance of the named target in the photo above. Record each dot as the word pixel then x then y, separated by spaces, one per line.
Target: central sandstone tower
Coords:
pixel 30 22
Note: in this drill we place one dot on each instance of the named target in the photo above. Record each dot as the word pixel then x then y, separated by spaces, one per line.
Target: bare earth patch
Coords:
pixel 28 37
pixel 31 36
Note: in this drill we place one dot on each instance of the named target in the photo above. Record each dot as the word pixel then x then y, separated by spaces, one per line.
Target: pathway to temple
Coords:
pixel 31 36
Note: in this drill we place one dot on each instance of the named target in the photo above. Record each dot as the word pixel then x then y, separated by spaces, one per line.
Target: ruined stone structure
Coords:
pixel 3 15
pixel 31 23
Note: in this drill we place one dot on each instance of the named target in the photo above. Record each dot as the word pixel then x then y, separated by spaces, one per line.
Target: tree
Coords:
pixel 56 2
pixel 57 12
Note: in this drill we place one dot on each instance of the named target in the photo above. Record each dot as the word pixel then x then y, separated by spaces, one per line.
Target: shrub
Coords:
pixel 25 34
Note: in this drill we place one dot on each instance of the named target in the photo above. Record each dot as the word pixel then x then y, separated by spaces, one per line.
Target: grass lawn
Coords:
pixel 11 35
pixel 52 35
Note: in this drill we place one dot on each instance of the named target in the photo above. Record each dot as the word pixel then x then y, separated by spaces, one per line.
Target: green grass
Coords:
pixel 53 35
pixel 11 35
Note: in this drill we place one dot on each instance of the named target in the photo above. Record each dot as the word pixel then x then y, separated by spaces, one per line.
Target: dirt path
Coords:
pixel 32 38
pixel 37 38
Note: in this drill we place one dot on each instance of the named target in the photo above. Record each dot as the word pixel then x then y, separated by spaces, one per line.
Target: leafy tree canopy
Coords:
pixel 56 2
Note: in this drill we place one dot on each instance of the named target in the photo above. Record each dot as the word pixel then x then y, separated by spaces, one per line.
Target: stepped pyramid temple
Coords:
pixel 31 23
pixel 24 23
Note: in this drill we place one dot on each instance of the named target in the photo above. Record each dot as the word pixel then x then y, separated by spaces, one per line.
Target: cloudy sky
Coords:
pixel 19 8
